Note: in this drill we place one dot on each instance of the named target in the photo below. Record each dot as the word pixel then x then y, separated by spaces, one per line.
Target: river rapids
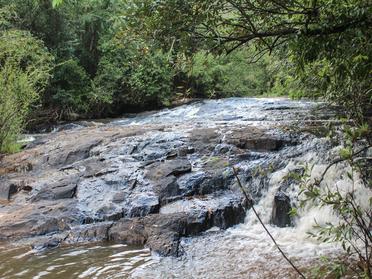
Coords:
pixel 240 251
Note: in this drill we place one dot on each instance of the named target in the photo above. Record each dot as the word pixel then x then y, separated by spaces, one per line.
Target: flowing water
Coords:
pixel 81 261
pixel 243 251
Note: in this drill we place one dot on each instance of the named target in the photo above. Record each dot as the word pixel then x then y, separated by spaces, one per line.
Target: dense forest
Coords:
pixel 100 58
pixel 87 59
pixel 64 60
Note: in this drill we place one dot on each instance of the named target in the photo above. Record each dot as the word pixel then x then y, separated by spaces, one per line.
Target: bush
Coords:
pixel 24 72
pixel 71 88
pixel 134 76
pixel 21 50
pixel 16 95
pixel 225 76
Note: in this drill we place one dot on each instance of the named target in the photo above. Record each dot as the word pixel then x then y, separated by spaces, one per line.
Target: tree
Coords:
pixel 25 65
pixel 334 36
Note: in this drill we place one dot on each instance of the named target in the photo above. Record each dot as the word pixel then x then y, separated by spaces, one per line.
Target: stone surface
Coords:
pixel 6 190
pixel 151 179
pixel 281 208
pixel 162 232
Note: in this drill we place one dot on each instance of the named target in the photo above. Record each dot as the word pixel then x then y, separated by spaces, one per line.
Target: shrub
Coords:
pixel 232 75
pixel 24 72
pixel 134 75
pixel 16 96
pixel 71 88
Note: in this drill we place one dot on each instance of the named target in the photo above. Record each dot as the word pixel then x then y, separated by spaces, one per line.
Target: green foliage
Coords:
pixel 113 56
pixel 24 71
pixel 7 16
pixel 329 268
pixel 21 50
pixel 56 3
pixel 327 44
pixel 16 96
pixel 134 75
pixel 233 75
pixel 72 87
pixel 284 81
pixel 353 229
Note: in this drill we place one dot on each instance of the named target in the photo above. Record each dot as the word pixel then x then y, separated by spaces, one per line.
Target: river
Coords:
pixel 241 251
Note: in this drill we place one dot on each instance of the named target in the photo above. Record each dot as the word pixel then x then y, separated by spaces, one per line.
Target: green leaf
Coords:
pixel 56 3
pixel 346 153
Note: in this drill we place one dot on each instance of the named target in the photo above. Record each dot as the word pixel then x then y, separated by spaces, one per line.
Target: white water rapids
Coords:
pixel 246 251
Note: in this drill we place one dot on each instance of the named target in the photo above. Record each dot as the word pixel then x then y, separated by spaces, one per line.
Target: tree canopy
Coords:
pixel 111 56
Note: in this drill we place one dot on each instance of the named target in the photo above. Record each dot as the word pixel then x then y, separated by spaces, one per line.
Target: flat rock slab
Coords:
pixel 162 232
pixel 140 184
pixel 6 190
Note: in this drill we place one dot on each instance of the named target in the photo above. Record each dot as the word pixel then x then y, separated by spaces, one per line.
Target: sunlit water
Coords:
pixel 243 251
pixel 81 261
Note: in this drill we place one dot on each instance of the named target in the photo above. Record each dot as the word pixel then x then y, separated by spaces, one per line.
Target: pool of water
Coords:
pixel 78 261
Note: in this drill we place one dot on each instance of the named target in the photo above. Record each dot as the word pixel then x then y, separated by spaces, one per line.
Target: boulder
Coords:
pixel 75 153
pixel 162 232
pixel 281 208
pixel 189 183
pixel 130 231
pixel 45 244
pixel 174 167
pixel 88 233
pixel 166 189
pixel 143 204
pixel 7 189
pixel 56 193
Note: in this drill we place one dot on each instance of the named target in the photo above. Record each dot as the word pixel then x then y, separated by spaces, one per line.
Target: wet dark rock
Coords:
pixel 108 212
pixel 7 189
pixel 216 164
pixel 204 139
pixel 250 156
pixel 255 139
pixel 46 244
pixel 119 197
pixel 162 232
pixel 63 189
pixel 229 215
pixel 264 144
pixel 166 188
pixel 144 204
pixel 224 149
pixel 165 243
pixel 62 192
pixel 215 181
pixel 90 232
pixel 170 167
pixel 189 183
pixel 130 231
pixel 79 152
pixel 281 208
pixel 67 127
pixel 37 225
pixel 152 183
pixel 36 142
pixel 185 150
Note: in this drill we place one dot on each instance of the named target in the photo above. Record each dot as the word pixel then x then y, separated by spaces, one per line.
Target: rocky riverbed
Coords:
pixel 157 178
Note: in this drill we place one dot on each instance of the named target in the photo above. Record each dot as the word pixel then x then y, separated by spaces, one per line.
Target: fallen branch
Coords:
pixel 249 198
